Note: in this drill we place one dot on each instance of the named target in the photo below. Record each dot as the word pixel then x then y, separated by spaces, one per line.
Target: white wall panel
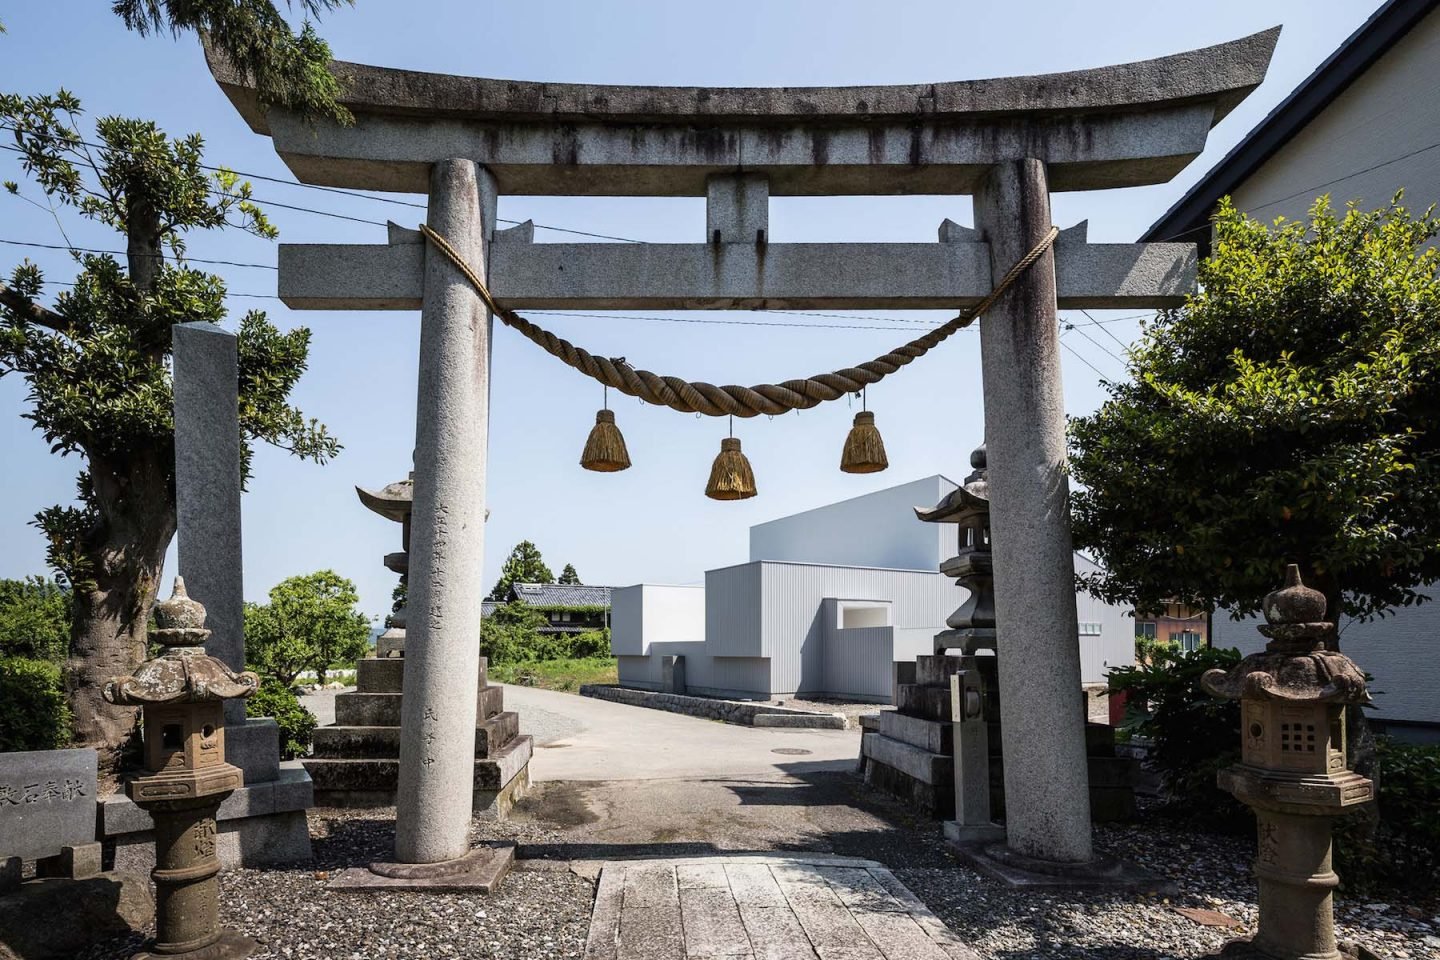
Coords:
pixel 875 530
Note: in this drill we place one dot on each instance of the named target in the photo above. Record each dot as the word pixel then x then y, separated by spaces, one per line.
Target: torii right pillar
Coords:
pixel 1047 797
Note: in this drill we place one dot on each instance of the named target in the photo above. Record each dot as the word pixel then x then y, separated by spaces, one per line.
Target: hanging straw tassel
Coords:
pixel 730 475
pixel 864 450
pixel 605 448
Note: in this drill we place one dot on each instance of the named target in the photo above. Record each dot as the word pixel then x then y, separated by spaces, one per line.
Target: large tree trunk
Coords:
pixel 125 553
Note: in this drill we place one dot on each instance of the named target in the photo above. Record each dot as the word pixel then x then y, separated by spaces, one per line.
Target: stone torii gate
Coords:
pixel 1007 142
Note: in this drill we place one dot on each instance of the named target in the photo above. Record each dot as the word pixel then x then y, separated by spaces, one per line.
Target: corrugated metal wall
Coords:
pixel 732 611
pixel 792 622
pixel 858 663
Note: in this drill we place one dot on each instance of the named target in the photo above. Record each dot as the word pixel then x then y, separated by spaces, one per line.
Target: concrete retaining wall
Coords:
pixel 726 711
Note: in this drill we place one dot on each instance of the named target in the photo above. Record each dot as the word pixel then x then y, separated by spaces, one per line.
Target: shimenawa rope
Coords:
pixel 731 400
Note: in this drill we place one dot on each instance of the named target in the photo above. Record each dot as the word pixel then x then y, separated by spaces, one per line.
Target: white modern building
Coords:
pixel 829 599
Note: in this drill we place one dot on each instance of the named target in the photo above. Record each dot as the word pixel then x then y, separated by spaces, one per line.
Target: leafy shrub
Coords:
pixel 33 711
pixel 511 634
pixel 275 699
pixel 1192 734
pixel 34 619
pixel 1395 841
pixel 1398 842
pixel 593 643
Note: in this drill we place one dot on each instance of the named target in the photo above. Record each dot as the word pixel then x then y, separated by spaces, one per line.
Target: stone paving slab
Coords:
pixel 763 908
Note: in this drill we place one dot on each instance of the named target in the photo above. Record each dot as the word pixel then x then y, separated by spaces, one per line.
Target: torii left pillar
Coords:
pixel 442 656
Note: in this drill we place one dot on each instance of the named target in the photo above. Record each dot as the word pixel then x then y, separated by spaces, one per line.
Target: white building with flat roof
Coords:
pixel 829 599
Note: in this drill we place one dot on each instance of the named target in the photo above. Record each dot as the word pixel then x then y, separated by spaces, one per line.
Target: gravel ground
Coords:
pixel 296 917
pixel 542 910
pixel 1211 873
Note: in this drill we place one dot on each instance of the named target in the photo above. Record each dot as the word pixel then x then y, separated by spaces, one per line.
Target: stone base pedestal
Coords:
pixel 230 946
pixel 996 860
pixel 1245 949
pixel 973 833
pixel 479 871
pixel 357 760
pixel 911 752
pixel 258 824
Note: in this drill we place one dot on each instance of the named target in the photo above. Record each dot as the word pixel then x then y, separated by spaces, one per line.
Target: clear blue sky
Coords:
pixel 651 523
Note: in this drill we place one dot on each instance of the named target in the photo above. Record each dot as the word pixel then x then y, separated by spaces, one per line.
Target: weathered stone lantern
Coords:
pixel 181 694
pixel 1292 769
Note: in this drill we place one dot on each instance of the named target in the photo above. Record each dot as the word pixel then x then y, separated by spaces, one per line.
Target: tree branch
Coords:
pixel 33 312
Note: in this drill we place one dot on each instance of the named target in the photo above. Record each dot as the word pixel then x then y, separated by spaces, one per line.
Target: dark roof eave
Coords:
pixel 1189 217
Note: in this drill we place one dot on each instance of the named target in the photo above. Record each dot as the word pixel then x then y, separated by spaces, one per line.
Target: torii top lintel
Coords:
pixel 1115 126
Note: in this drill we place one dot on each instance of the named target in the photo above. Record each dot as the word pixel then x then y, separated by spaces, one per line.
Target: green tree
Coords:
pixel 34 619
pixel 97 367
pixel 287 68
pixel 524 565
pixel 310 623
pixel 1289 412
pixel 568 575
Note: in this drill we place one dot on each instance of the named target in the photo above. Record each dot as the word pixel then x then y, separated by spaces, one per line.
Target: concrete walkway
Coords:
pixel 581 739
pixel 776 908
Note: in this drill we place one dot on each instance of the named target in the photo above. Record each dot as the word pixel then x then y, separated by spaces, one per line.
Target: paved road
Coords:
pixel 578 738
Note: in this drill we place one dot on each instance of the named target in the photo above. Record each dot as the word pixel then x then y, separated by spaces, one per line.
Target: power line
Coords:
pixel 315 186
pixel 1081 358
pixel 1103 349
pixel 122 253
pixel 1106 330
pixel 1320 186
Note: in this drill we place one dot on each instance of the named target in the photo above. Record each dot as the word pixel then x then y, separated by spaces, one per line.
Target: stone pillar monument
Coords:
pixel 442 656
pixel 265 821
pixel 1047 811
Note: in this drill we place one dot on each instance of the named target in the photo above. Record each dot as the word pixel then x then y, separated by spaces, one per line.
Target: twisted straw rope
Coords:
pixel 731 400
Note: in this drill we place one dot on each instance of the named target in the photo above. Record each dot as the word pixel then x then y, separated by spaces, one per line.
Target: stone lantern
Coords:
pixel 1292 769
pixel 974 683
pixel 181 695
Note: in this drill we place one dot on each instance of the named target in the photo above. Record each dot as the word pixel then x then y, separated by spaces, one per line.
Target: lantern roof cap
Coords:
pixel 392 501
pixel 184 673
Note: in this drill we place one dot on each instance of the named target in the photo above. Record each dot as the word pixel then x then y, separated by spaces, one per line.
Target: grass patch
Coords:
pixel 564 675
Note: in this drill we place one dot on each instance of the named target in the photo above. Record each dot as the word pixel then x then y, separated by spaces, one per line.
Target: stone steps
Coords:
pixel 371 781
pixel 920 778
pixel 383 709
pixel 385 674
pixel 926 701
pixel 363 742
pixel 935 670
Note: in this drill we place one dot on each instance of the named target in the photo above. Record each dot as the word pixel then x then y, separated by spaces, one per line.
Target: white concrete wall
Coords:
pixel 1398 651
pixel 875 530
pixel 1115 646
pixel 1381 121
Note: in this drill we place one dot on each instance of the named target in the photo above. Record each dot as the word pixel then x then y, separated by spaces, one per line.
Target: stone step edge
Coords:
pixel 362 731
pixel 740 712
pixel 934 769
pixel 509 761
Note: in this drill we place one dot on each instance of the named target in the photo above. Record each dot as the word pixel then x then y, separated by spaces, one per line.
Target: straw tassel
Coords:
pixel 730 475
pixel 864 450
pixel 605 448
